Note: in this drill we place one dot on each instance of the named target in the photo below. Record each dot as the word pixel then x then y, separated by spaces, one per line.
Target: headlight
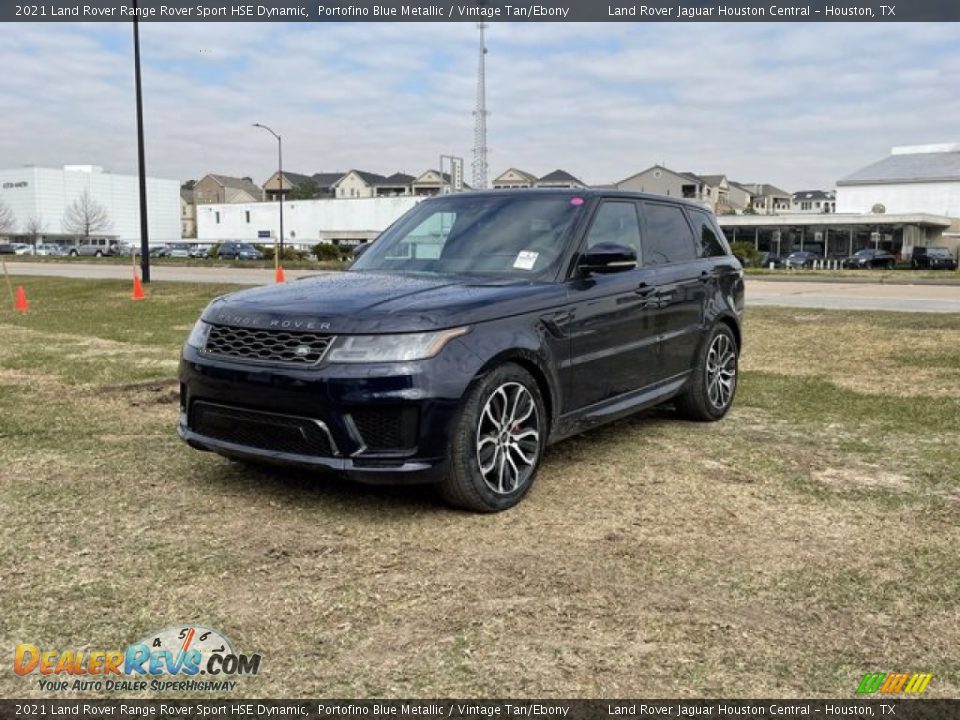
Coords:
pixel 198 336
pixel 391 348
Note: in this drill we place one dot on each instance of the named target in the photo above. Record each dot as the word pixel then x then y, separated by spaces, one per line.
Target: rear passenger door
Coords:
pixel 669 248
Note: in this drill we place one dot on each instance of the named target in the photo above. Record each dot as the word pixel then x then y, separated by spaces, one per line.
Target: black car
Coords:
pixel 801 259
pixel 239 251
pixel 870 258
pixel 474 331
pixel 7 249
pixel 767 258
pixel 932 258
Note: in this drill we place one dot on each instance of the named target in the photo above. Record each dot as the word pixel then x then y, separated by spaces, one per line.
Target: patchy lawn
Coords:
pixel 808 538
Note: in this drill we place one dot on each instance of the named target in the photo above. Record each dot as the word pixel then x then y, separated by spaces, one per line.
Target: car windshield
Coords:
pixel 510 236
pixel 864 253
pixel 938 252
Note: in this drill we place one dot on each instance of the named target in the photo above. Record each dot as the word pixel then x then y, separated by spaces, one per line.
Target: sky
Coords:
pixel 793 104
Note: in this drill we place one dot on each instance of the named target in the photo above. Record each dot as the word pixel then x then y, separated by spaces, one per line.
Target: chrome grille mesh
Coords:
pixel 259 345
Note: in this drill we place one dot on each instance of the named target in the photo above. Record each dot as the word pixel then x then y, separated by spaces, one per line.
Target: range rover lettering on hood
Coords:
pixel 267 322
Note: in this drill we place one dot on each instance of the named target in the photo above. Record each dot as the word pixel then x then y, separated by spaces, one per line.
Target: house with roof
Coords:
pixel 364 184
pixel 767 199
pixel 432 182
pixel 514 178
pixel 560 179
pixel 914 178
pixel 211 189
pixel 661 180
pixel 814 201
pixel 320 184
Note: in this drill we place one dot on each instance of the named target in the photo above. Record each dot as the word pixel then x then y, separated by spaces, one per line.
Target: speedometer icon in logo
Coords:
pixel 185 638
pixel 189 650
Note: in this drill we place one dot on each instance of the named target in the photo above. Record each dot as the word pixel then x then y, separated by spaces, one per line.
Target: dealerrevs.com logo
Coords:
pixel 186 658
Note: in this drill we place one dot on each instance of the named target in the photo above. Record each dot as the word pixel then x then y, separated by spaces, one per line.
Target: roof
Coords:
pixel 561 176
pixel 739 186
pixel 909 167
pixel 764 189
pixel 296 178
pixel 713 180
pixel 399 178
pixel 522 173
pixel 588 192
pixel 186 195
pixel 325 180
pixel 834 219
pixel 237 183
pixel 815 195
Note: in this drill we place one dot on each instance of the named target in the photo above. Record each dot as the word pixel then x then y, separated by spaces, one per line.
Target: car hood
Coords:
pixel 368 302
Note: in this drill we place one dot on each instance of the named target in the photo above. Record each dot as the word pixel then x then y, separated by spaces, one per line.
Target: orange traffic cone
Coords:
pixel 137 288
pixel 280 278
pixel 22 304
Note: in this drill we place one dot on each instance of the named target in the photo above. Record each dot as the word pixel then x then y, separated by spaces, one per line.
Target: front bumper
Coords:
pixel 386 423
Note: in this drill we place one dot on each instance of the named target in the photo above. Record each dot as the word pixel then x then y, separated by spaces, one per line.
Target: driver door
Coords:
pixel 613 341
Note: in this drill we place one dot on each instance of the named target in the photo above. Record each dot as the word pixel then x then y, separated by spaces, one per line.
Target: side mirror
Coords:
pixel 608 258
pixel 361 249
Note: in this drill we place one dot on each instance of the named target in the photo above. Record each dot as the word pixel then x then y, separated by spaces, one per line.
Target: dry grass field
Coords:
pixel 808 538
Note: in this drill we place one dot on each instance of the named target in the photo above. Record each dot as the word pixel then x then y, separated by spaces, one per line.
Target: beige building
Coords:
pixel 322 184
pixel 188 214
pixel 363 184
pixel 768 199
pixel 661 180
pixel 222 189
pixel 514 178
pixel 559 179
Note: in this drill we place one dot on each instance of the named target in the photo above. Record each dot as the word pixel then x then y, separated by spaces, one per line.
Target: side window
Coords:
pixel 668 238
pixel 708 244
pixel 615 222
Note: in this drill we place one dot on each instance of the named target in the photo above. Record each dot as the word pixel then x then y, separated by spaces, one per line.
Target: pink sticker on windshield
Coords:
pixel 576 201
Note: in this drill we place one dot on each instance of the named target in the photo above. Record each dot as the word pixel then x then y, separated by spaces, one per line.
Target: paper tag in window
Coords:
pixel 526 259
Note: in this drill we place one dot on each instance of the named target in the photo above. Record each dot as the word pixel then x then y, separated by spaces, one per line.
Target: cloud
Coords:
pixel 798 105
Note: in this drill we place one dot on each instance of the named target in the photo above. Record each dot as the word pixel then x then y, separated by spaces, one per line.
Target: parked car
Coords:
pixel 767 258
pixel 7 249
pixel 179 250
pixel 932 258
pixel 199 251
pixel 456 356
pixel 801 259
pixel 48 249
pixel 239 251
pixel 870 258
pixel 96 247
pixel 159 251
pixel 23 249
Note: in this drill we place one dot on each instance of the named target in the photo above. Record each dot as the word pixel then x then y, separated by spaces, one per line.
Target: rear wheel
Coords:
pixel 98 254
pixel 498 442
pixel 713 383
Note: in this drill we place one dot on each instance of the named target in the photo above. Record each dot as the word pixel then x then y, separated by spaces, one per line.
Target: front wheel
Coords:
pixel 498 442
pixel 713 382
pixel 98 254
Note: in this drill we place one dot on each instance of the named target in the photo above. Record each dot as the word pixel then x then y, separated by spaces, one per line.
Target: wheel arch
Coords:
pixel 530 362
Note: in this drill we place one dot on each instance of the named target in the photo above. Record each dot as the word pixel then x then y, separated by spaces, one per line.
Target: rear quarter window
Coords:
pixel 667 237
pixel 709 241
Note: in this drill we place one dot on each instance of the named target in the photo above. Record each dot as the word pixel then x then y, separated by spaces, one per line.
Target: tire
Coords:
pixel 705 400
pixel 73 253
pixel 491 469
pixel 98 254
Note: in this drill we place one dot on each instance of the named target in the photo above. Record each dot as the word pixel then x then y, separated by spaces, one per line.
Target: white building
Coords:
pixel 305 222
pixel 912 179
pixel 45 194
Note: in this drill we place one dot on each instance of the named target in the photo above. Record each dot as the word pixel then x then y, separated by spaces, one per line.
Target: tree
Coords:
pixel 86 217
pixel 34 228
pixel 8 220
pixel 306 190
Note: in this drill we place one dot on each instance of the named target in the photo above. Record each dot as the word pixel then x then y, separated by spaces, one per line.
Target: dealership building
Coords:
pixel 41 197
pixel 305 222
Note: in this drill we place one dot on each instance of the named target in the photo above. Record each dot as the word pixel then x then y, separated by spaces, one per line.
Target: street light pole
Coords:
pixel 144 232
pixel 279 179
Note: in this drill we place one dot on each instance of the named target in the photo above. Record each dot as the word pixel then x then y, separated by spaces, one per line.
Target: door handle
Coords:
pixel 705 276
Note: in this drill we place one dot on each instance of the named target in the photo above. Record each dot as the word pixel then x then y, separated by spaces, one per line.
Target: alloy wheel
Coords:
pixel 508 438
pixel 721 370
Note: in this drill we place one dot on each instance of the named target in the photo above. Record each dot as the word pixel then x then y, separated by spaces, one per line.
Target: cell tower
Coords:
pixel 480 118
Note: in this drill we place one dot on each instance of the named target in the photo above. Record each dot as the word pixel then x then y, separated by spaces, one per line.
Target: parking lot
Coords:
pixel 806 539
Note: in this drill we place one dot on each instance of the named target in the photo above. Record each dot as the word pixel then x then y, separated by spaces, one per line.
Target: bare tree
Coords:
pixel 86 217
pixel 8 220
pixel 34 227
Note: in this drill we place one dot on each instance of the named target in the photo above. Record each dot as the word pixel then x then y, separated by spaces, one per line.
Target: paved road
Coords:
pixel 830 295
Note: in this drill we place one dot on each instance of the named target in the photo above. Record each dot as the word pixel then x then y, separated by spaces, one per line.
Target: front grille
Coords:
pixel 385 429
pixel 257 345
pixel 261 430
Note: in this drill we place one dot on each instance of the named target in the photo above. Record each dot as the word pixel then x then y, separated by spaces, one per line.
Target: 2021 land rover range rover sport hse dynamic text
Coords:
pixel 474 331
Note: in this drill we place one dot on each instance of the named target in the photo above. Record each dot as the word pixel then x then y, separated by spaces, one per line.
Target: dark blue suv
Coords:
pixel 476 330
